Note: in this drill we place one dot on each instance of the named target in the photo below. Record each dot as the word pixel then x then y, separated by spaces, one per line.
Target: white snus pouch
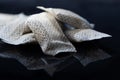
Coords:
pixel 82 29
pixel 15 31
pixel 80 35
pixel 68 17
pixel 48 33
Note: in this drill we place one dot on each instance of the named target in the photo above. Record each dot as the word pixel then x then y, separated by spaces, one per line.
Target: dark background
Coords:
pixel 106 16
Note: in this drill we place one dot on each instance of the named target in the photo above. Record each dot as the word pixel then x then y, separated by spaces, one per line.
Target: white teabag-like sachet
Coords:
pixel 80 35
pixel 68 17
pixel 14 31
pixel 82 29
pixel 49 34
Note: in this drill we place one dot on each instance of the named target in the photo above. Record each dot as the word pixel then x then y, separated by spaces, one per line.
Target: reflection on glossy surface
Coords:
pixel 34 59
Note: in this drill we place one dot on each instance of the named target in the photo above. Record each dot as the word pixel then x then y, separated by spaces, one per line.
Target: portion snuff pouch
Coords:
pixel 81 29
pixel 13 31
pixel 80 35
pixel 68 17
pixel 48 33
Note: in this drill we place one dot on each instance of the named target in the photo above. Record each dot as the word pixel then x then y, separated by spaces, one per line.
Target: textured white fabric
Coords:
pixel 5 18
pixel 48 33
pixel 79 35
pixel 13 31
pixel 68 17
pixel 82 29
pixel 45 29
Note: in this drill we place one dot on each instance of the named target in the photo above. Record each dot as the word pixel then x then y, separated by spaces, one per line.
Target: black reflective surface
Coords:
pixel 104 13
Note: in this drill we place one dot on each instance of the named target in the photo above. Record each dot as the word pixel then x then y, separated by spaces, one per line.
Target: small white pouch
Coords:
pixel 49 34
pixel 81 28
pixel 14 31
